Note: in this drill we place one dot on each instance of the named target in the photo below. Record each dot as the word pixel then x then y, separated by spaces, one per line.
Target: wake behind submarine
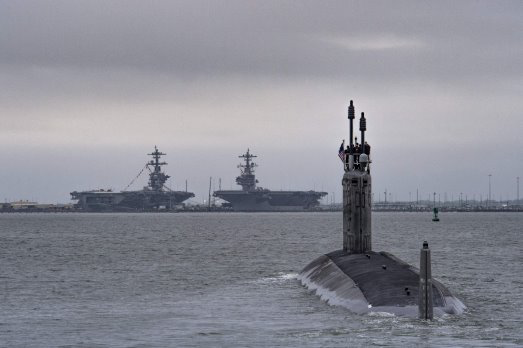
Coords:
pixel 363 280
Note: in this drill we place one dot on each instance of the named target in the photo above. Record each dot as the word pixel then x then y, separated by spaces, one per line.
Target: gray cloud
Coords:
pixel 280 38
pixel 80 81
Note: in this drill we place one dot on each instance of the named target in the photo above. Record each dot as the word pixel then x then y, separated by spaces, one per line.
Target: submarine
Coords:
pixel 363 280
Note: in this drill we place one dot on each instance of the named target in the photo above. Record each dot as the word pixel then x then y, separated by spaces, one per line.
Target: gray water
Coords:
pixel 222 280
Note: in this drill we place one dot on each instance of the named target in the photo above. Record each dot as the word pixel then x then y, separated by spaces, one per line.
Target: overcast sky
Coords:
pixel 87 88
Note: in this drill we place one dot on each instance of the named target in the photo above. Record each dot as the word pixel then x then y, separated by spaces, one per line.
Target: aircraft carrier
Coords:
pixel 153 197
pixel 252 198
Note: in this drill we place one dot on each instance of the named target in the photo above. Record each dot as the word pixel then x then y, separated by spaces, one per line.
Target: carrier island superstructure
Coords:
pixel 253 198
pixel 155 196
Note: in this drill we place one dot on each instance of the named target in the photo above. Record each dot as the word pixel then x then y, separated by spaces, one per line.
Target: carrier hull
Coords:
pixel 129 200
pixel 266 200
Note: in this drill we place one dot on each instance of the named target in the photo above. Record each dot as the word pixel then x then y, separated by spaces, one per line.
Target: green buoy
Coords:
pixel 435 217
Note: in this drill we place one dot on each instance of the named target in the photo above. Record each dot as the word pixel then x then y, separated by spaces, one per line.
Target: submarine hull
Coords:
pixel 373 282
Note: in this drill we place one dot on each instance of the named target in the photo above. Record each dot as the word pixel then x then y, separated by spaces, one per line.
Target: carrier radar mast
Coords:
pixel 247 179
pixel 157 178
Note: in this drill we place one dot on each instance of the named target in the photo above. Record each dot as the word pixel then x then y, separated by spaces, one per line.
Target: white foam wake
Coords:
pixel 331 296
pixel 281 277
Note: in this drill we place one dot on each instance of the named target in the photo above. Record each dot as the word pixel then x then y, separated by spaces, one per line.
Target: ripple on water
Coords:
pixel 156 280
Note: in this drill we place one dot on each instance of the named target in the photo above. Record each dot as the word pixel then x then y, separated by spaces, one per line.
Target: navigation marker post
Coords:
pixel 425 284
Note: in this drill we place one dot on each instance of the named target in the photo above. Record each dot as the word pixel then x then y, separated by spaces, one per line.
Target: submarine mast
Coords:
pixel 357 193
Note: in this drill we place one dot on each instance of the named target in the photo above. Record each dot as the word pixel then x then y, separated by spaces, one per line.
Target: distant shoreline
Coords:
pixel 225 211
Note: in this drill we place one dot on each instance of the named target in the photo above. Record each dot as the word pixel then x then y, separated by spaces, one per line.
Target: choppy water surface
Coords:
pixel 174 280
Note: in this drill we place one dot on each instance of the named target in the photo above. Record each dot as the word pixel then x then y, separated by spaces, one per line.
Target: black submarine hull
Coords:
pixel 373 282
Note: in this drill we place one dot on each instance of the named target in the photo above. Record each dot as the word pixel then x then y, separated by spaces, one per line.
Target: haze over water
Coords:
pixel 198 280
pixel 89 87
